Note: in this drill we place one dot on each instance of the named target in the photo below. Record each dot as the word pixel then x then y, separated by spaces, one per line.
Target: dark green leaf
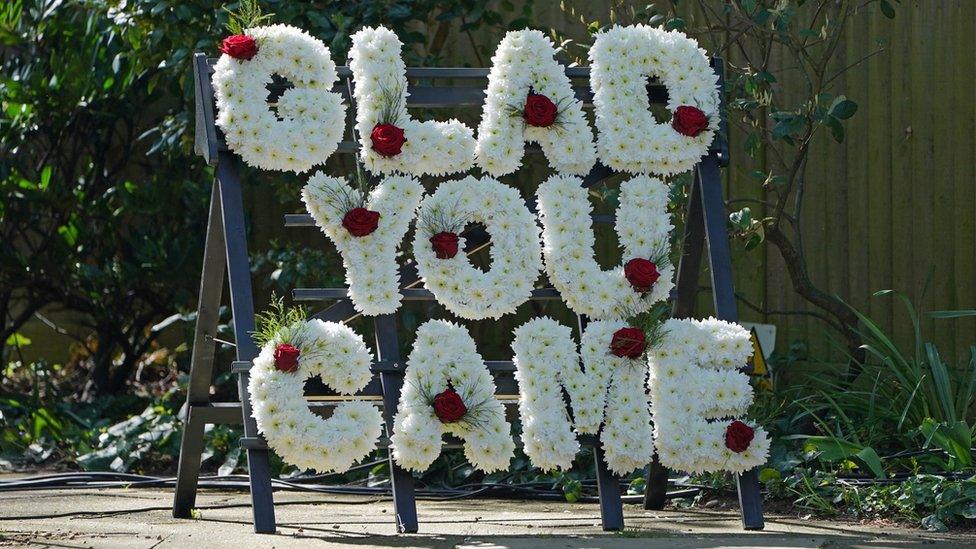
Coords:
pixel 843 108
pixel 887 9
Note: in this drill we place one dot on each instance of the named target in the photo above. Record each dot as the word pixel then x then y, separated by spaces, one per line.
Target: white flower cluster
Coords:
pixel 545 360
pixel 516 258
pixel 643 229
pixel 629 138
pixel 525 60
pixel 370 261
pixel 434 148
pixel 694 379
pixel 444 355
pixel 310 118
pixel 627 437
pixel 611 391
pixel 339 355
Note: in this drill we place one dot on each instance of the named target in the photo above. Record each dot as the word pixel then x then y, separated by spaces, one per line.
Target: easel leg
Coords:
pixel 201 361
pixel 242 305
pixel 720 263
pixel 750 500
pixel 401 481
pixel 608 484
pixel 655 485
pixel 188 472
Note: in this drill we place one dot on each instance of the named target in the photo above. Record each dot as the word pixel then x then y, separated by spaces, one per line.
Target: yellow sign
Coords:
pixel 758 362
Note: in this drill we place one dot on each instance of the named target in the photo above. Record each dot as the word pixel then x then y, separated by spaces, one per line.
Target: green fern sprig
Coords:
pixel 392 107
pixel 559 124
pixel 247 16
pixel 651 323
pixel 451 220
pixel 477 414
pixel 279 324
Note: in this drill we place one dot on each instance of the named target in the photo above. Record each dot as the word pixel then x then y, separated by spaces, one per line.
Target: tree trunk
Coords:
pixel 846 318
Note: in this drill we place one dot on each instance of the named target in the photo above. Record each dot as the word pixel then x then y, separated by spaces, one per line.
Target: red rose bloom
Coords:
pixel 641 273
pixel 689 121
pixel 539 111
pixel 449 407
pixel 628 342
pixel 387 139
pixel 738 436
pixel 445 244
pixel 360 221
pixel 286 357
pixel 239 46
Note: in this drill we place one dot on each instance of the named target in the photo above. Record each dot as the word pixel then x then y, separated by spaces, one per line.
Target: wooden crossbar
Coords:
pixel 226 257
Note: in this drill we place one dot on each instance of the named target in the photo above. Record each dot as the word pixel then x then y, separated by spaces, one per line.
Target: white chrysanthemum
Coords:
pixel 629 138
pixel 339 356
pixel 370 261
pixel 432 148
pixel 695 388
pixel 610 391
pixel 308 125
pixel 643 229
pixel 516 257
pixel 525 60
pixel 444 355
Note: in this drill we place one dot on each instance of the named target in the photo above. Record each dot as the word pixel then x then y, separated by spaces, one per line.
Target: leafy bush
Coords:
pixel 897 442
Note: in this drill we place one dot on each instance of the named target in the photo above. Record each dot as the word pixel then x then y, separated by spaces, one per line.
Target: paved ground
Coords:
pixel 141 518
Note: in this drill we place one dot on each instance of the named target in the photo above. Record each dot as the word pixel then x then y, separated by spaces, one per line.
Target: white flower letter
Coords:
pixel 379 74
pixel 444 358
pixel 370 261
pixel 516 257
pixel 308 125
pixel 525 63
pixel 340 357
pixel 643 229
pixel 628 137
pixel 611 392
pixel 695 379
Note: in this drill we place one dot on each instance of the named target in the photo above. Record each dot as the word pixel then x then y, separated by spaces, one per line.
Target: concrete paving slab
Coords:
pixel 142 518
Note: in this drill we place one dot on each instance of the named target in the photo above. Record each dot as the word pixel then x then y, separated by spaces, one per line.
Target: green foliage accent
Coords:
pixel 279 324
pixel 247 16
pixel 392 107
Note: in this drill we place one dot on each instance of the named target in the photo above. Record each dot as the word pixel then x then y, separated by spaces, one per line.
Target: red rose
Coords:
pixel 448 406
pixel 387 139
pixel 738 436
pixel 286 357
pixel 689 121
pixel 539 111
pixel 239 46
pixel 445 244
pixel 628 342
pixel 641 273
pixel 360 221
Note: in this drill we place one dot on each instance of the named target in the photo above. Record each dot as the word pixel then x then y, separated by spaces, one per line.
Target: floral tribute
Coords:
pixel 516 260
pixel 307 125
pixel 689 368
pixel 696 386
pixel 609 391
pixel 292 351
pixel 390 139
pixel 530 98
pixel 448 389
pixel 366 227
pixel 643 229
pixel 629 138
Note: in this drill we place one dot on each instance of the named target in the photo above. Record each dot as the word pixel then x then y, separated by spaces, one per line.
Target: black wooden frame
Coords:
pixel 226 254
